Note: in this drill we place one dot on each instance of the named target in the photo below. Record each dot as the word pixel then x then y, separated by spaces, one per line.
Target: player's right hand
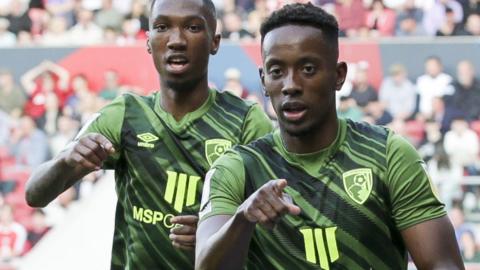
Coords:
pixel 88 153
pixel 268 204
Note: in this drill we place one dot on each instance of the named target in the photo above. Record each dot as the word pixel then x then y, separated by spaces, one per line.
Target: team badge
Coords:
pixel 214 148
pixel 358 184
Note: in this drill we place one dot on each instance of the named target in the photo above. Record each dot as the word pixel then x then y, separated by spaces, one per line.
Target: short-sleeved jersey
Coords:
pixel 356 196
pixel 154 180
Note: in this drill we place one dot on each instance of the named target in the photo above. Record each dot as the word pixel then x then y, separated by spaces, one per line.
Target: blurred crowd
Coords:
pixel 125 22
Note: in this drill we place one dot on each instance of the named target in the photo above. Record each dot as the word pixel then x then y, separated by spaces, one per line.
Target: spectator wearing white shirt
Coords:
pixel 434 83
pixel 461 144
pixel 85 32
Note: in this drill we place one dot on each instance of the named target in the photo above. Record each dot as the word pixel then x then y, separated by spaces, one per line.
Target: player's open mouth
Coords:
pixel 177 64
pixel 293 111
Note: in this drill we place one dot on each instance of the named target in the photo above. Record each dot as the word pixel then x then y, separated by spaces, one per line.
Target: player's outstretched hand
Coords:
pixel 88 152
pixel 183 236
pixel 268 204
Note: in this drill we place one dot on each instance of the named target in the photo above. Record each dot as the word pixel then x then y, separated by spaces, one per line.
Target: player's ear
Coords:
pixel 149 47
pixel 215 44
pixel 262 79
pixel 341 75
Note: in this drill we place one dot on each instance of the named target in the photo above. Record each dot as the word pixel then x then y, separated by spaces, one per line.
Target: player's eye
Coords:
pixel 161 27
pixel 309 69
pixel 194 28
pixel 275 71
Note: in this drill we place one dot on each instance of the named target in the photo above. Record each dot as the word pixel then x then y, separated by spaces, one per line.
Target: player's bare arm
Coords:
pixel 77 160
pixel 223 240
pixel 432 245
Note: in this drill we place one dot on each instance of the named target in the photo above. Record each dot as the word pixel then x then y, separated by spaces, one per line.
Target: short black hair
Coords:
pixel 208 5
pixel 302 14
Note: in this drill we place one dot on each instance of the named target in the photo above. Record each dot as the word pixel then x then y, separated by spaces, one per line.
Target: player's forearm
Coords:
pixel 49 180
pixel 227 248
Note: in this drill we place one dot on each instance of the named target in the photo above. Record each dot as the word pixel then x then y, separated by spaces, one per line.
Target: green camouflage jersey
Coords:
pixel 356 196
pixel 154 181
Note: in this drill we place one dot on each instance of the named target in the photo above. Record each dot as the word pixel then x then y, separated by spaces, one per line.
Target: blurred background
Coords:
pixel 414 66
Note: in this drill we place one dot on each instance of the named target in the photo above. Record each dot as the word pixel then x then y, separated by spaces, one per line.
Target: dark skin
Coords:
pixel 181 39
pixel 301 74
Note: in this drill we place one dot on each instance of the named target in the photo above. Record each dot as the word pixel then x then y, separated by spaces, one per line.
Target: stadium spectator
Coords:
pixel 434 83
pixel 233 28
pixel 18 17
pixel 131 33
pixel 108 16
pixel 12 235
pixel 462 145
pixel 436 15
pixel 409 20
pixel 362 91
pixel 138 13
pixel 61 8
pixel 397 93
pixel 39 81
pixel 348 109
pixel 450 27
pixel 38 228
pixel 81 94
pixel 67 129
pixel 233 83
pixel 28 144
pixel 7 38
pixel 39 17
pixel 12 97
pixel 376 110
pixel 465 234
pixel 56 34
pixel 432 140
pixel 465 99
pixel 472 26
pixel 85 32
pixel 380 19
pixel 112 87
pixel 351 16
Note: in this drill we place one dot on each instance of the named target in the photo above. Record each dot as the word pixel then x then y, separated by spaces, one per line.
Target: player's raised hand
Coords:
pixel 183 236
pixel 268 204
pixel 88 152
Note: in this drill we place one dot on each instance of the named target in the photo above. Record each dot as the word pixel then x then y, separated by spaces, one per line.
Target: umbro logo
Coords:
pixel 146 140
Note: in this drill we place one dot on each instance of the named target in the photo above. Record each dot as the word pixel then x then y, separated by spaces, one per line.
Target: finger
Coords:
pixel 88 155
pixel 278 205
pixel 183 239
pixel 294 209
pixel 185 220
pixel 280 184
pixel 184 247
pixel 269 211
pixel 185 230
pixel 96 148
pixel 104 142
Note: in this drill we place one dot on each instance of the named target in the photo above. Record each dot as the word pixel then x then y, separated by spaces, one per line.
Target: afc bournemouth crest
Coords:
pixel 214 148
pixel 358 184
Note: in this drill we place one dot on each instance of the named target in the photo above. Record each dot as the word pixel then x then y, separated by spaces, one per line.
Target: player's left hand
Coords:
pixel 183 236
